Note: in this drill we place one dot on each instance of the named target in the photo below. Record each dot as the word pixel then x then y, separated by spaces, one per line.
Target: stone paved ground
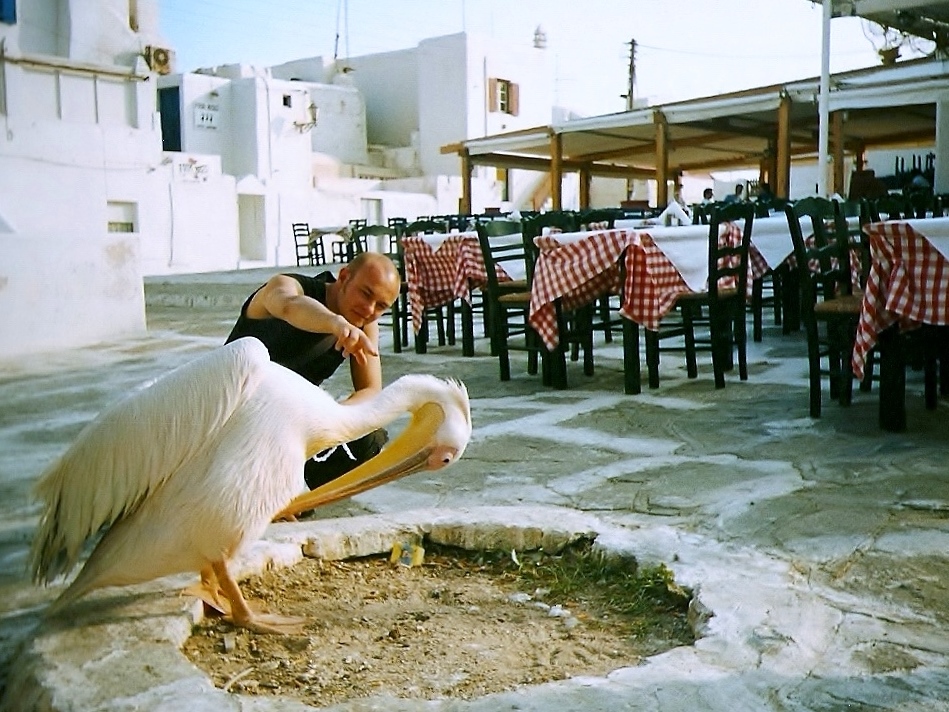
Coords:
pixel 819 547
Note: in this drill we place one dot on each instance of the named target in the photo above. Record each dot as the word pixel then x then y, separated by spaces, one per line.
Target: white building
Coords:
pixel 80 153
pixel 98 188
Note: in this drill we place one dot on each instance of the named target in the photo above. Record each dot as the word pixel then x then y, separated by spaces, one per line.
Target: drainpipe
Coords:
pixel 270 170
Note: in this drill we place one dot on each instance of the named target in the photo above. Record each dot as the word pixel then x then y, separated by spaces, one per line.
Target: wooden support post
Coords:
pixel 556 171
pixel 585 180
pixel 662 159
pixel 837 142
pixel 464 206
pixel 782 177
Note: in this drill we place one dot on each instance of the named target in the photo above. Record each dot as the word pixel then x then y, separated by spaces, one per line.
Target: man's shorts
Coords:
pixel 328 465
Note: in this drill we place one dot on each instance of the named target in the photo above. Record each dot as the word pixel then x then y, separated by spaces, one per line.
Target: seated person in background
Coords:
pixel 675 213
pixel 737 196
pixel 765 195
pixel 312 324
pixel 708 196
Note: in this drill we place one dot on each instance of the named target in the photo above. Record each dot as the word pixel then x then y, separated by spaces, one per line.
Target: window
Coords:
pixel 503 96
pixel 8 11
pixel 504 178
pixel 121 216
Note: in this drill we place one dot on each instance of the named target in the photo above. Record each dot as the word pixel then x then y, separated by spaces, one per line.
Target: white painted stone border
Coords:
pixel 120 649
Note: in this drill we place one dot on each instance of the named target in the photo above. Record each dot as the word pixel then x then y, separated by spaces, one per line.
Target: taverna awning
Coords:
pixel 765 128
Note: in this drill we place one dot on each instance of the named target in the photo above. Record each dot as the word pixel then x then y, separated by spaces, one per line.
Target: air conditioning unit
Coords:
pixel 160 59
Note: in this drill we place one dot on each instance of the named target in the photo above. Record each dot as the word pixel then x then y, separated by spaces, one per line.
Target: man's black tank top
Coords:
pixel 311 355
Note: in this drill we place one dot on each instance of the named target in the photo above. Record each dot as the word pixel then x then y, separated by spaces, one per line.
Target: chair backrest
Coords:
pixel 890 207
pixel 701 213
pixel 360 235
pixel 301 233
pixel 823 258
pixel 598 217
pixel 502 246
pixel 426 227
pixel 533 226
pixel 728 261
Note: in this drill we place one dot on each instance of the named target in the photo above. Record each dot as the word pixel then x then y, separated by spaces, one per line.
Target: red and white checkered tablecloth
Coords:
pixel 437 276
pixel 908 283
pixel 582 270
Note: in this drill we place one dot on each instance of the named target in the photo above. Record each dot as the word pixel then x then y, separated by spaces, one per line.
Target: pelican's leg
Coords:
pixel 241 613
pixel 210 592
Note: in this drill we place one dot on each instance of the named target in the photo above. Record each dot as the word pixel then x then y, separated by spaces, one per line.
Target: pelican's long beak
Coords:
pixel 407 453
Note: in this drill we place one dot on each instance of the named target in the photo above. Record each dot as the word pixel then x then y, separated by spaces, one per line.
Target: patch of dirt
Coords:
pixel 461 625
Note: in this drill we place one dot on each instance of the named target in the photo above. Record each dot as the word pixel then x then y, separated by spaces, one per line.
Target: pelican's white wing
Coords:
pixel 134 446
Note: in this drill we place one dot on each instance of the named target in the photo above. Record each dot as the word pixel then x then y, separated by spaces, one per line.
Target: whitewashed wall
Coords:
pixel 91 292
pixel 80 141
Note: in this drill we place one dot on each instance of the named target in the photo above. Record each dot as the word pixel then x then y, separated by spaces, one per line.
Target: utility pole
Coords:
pixel 632 74
pixel 629 100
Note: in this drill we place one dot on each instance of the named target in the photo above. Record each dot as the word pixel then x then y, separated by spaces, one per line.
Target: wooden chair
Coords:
pixel 598 217
pixel 308 252
pixel 724 299
pixel 889 207
pixel 829 307
pixel 507 304
pixel 423 226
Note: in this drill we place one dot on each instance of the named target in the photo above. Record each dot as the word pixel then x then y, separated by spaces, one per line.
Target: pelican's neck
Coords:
pixel 349 421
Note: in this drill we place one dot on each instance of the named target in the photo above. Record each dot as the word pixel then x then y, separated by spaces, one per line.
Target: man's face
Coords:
pixel 367 294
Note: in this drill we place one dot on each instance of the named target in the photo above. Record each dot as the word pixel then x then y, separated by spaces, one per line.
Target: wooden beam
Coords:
pixel 536 163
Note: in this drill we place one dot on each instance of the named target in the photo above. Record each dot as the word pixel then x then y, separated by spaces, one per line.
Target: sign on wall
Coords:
pixel 206 116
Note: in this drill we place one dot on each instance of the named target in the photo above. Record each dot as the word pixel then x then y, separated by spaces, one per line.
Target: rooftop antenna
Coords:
pixel 339 9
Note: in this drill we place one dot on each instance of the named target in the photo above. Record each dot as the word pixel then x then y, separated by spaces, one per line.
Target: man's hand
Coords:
pixel 352 341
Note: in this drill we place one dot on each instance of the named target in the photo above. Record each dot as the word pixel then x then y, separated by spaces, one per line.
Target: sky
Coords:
pixel 684 48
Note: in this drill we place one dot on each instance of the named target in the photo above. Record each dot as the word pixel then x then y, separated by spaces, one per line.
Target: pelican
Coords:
pixel 186 472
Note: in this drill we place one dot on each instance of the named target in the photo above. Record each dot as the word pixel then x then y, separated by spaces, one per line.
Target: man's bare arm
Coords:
pixel 283 298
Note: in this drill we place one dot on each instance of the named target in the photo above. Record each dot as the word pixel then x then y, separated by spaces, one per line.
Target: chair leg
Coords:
pixel 846 370
pixel 605 318
pixel 467 329
pixel 585 330
pixel 757 299
pixel 421 338
pixel 533 345
pixel 692 369
pixel 500 345
pixel 741 344
pixel 632 378
pixel 558 367
pixel 777 289
pixel 440 325
pixel 892 413
pixel 813 370
pixel 652 357
pixel 450 326
pixel 397 317
pixel 866 385
pixel 721 345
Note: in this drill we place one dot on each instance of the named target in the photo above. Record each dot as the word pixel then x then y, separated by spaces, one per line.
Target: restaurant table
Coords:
pixel 440 268
pixel 907 286
pixel 661 263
